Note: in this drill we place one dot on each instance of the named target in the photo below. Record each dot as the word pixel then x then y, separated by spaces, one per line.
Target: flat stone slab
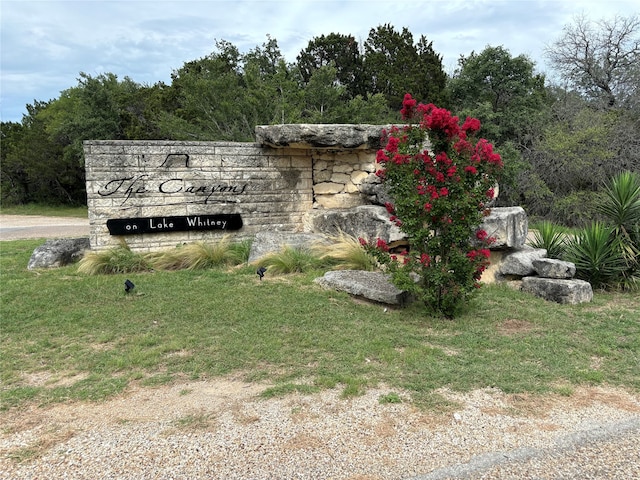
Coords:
pixel 265 243
pixel 558 290
pixel 320 136
pixel 374 286
pixel 552 268
pixel 520 262
pixel 367 221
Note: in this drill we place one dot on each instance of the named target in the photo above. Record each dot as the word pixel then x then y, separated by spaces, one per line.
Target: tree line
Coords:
pixel 561 140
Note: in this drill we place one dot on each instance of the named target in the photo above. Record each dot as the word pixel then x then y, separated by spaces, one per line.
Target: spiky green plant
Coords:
pixel 596 251
pixel 345 252
pixel 115 260
pixel 622 209
pixel 290 260
pixel 622 204
pixel 551 237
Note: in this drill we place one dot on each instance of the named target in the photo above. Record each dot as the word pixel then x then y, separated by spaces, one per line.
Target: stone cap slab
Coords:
pixel 322 136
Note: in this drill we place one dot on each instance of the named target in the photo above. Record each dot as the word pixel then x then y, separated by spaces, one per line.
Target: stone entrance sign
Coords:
pixel 158 194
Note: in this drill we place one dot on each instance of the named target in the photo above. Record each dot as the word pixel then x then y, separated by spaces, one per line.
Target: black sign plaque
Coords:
pixel 137 226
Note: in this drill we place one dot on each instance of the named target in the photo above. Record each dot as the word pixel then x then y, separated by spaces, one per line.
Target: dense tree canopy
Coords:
pixel 503 91
pixel 559 142
pixel 340 51
pixel 394 65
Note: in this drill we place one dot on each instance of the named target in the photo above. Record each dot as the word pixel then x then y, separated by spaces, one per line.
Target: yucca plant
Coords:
pixel 597 253
pixel 551 237
pixel 115 260
pixel 345 252
pixel 290 260
pixel 622 204
pixel 622 209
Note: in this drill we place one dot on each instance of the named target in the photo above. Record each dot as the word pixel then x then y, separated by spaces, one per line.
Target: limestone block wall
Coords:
pixel 159 194
pixel 143 185
pixel 338 178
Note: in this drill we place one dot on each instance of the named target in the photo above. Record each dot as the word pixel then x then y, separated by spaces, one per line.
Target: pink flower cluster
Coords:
pixel 439 200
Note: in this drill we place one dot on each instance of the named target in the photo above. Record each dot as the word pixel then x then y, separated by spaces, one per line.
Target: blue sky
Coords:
pixel 45 44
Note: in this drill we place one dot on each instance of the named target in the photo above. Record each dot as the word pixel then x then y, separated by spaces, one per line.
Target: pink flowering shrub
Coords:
pixel 440 196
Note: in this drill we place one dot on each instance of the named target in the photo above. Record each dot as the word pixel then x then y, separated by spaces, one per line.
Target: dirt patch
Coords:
pixel 52 380
pixel 511 328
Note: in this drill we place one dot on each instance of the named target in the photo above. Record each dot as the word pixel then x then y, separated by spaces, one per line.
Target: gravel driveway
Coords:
pixel 221 429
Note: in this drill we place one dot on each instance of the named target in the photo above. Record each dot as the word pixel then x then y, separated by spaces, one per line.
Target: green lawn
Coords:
pixel 66 336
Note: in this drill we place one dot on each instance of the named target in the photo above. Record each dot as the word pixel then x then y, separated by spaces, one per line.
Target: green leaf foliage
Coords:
pixel 597 254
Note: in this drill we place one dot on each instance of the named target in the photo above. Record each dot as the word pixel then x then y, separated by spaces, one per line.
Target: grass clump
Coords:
pixel 345 252
pixel 198 256
pixel 291 260
pixel 192 256
pixel 115 260
pixel 391 397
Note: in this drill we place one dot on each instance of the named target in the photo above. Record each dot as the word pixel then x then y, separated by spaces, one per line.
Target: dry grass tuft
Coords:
pixel 346 253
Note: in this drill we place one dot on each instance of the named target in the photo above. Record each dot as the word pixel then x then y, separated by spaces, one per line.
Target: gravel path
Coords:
pixel 222 430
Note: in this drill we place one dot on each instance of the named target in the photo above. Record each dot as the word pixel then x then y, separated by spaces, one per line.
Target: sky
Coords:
pixel 45 44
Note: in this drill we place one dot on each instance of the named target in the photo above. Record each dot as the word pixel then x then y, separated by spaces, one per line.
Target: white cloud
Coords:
pixel 45 44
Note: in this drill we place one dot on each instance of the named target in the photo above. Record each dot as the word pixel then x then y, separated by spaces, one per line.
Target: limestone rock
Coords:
pixel 558 290
pixel 374 286
pixel 265 243
pixel 367 221
pixel 342 201
pixel 519 262
pixel 358 177
pixel 328 188
pixel 508 225
pixel 58 253
pixel 320 136
pixel 551 268
pixel 377 192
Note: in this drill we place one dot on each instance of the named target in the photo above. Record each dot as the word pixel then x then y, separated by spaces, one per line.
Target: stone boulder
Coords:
pixel 519 263
pixel 558 290
pixel 265 243
pixel 320 136
pixel 58 253
pixel 509 226
pixel 367 221
pixel 551 268
pixel 376 192
pixel 374 286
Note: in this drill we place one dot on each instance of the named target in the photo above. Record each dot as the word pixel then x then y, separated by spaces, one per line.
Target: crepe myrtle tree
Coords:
pixel 440 197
